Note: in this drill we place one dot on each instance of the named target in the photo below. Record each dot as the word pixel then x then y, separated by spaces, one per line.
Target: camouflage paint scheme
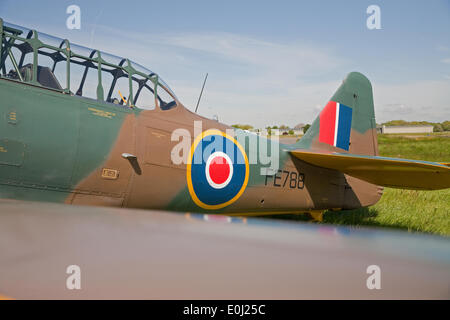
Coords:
pixel 59 147
pixel 63 148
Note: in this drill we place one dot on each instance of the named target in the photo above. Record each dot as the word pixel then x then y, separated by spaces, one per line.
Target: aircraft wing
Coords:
pixel 382 171
pixel 144 254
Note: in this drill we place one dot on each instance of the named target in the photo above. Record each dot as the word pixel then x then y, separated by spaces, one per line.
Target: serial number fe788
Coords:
pixel 286 179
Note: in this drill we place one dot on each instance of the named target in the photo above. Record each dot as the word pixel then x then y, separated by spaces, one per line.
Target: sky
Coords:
pixel 269 62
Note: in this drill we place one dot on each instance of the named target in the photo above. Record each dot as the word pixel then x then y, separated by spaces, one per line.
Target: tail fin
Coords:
pixel 347 123
pixel 344 138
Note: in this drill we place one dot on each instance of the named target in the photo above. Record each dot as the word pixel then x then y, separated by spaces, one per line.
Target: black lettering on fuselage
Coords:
pixel 281 178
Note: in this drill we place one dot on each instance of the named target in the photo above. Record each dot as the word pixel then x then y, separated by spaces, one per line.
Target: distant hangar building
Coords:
pixel 405 129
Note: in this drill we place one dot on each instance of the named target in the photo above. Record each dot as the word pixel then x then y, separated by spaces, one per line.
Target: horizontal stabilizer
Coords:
pixel 383 171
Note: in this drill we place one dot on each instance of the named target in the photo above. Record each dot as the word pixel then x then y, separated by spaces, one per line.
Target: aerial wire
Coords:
pixel 201 92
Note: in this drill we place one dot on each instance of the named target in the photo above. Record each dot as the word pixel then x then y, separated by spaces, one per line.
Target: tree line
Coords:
pixel 437 126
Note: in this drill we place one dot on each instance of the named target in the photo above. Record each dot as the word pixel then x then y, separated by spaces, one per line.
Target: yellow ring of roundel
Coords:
pixel 188 171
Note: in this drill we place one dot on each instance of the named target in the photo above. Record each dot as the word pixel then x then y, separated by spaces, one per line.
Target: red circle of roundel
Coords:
pixel 219 170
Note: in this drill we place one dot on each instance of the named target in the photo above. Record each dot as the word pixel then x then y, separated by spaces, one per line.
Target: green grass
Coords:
pixel 431 148
pixel 411 210
pixel 423 211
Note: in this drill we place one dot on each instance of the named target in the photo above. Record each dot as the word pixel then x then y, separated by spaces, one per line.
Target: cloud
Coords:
pixel 398 108
pixel 250 80
pixel 263 82
pixel 420 100
pixel 446 60
pixel 274 61
pixel 442 48
pixel 287 59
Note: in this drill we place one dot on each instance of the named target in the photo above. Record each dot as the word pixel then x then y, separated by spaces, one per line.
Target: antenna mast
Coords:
pixel 201 92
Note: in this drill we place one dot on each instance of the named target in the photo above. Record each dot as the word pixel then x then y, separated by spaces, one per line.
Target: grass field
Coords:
pixel 422 211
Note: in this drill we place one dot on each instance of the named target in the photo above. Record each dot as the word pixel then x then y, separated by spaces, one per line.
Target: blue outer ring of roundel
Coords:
pixel 201 191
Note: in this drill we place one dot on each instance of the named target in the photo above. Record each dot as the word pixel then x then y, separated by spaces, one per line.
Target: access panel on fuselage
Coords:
pixel 39 133
pixel 106 131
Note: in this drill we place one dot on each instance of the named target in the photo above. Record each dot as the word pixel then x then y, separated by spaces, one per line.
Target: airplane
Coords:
pixel 84 127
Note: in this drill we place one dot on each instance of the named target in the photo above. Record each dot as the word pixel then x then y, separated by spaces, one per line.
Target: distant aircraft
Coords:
pixel 80 126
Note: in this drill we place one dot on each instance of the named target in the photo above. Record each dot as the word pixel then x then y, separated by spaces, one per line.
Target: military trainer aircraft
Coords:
pixel 80 126
pixel 83 127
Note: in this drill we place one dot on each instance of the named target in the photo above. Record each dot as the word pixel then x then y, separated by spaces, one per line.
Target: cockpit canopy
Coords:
pixel 40 59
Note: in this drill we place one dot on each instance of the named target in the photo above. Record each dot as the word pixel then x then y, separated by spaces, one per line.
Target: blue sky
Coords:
pixel 269 62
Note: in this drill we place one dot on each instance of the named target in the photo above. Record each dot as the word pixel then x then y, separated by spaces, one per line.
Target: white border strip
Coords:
pixel 336 124
pixel 208 163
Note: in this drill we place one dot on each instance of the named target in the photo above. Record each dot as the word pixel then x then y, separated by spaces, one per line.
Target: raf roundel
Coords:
pixel 219 170
pixel 217 173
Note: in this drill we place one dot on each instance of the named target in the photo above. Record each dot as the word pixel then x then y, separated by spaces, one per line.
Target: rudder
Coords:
pixel 347 123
